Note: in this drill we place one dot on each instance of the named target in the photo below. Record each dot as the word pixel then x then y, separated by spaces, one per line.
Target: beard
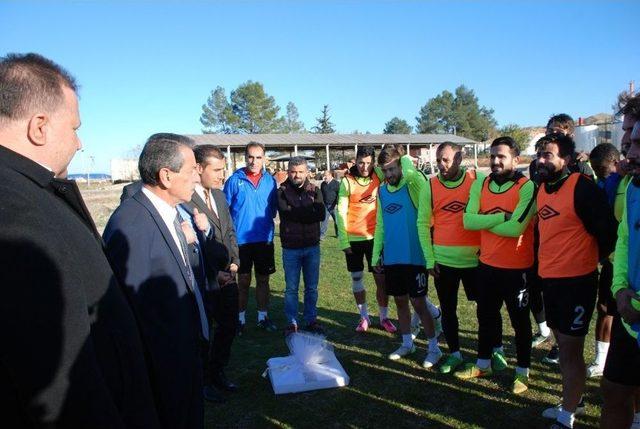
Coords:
pixel 548 175
pixel 502 175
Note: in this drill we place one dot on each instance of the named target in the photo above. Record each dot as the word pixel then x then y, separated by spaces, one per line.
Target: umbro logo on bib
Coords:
pixel 454 207
pixel 496 210
pixel 547 212
pixel 368 199
pixel 392 208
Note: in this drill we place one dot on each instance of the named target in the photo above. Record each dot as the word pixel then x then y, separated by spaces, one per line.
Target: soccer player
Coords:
pixel 396 235
pixel 501 208
pixel 452 255
pixel 604 159
pixel 621 377
pixel 356 218
pixel 563 124
pixel 577 228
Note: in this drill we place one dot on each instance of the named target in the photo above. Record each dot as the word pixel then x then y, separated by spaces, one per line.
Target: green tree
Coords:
pixel 217 115
pixel 291 121
pixel 324 124
pixel 458 113
pixel 520 135
pixel 397 126
pixel 249 110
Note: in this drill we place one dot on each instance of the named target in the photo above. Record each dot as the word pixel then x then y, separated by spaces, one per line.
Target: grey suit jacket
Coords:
pixel 222 225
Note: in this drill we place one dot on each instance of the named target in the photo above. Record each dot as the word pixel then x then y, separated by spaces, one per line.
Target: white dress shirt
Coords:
pixel 168 215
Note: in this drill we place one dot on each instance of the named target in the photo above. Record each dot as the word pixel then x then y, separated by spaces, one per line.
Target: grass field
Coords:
pixel 382 393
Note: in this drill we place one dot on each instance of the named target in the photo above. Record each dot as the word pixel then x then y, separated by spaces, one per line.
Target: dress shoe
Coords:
pixel 212 395
pixel 221 381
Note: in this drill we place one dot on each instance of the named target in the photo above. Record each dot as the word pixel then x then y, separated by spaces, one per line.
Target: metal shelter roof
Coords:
pixel 321 140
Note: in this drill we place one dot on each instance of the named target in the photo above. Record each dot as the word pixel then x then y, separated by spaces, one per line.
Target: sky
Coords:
pixel 149 66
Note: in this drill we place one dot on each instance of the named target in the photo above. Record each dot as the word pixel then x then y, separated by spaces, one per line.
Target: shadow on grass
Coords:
pixel 382 393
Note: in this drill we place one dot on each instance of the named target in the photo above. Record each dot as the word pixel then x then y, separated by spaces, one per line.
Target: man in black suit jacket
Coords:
pixel 71 354
pixel 150 255
pixel 222 300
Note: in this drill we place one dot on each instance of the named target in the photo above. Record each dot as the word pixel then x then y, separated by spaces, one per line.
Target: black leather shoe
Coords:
pixel 220 380
pixel 212 395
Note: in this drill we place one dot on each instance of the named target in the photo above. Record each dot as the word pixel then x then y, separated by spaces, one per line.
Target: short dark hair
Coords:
pixel 365 151
pixel 161 150
pixel 507 141
pixel 453 146
pixel 604 152
pixel 331 172
pixel 253 144
pixel 562 121
pixel 204 151
pixel 397 146
pixel 632 107
pixel 388 154
pixel 297 160
pixel 566 145
pixel 31 82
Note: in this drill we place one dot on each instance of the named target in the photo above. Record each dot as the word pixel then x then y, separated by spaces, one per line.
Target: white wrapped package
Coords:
pixel 312 365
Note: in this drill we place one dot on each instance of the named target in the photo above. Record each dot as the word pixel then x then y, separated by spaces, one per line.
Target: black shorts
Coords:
pixel 623 359
pixel 605 296
pixel 405 280
pixel 569 303
pixel 360 250
pixel 259 254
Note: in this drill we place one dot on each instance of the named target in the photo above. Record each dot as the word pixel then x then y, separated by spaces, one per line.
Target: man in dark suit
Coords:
pixel 150 256
pixel 130 190
pixel 71 350
pixel 222 299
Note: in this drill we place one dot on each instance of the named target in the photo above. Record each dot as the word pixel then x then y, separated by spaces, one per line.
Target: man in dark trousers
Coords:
pixel 329 188
pixel 577 229
pixel 65 322
pixel 301 210
pixel 222 299
pixel 150 255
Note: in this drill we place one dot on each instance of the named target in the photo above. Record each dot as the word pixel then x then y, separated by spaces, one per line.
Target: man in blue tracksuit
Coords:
pixel 253 203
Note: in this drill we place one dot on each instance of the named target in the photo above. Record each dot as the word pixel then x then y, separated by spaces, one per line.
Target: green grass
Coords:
pixel 382 393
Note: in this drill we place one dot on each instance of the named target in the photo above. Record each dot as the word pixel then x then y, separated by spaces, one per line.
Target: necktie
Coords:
pixel 193 286
pixel 207 198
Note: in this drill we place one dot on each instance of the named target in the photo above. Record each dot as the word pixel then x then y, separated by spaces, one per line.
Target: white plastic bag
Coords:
pixel 311 365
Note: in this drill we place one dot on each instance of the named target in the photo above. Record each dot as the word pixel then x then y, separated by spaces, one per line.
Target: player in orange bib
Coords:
pixel 451 252
pixel 356 220
pixel 501 208
pixel 577 228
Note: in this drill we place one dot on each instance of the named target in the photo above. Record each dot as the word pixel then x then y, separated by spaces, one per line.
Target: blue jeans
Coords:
pixel 324 225
pixel 306 259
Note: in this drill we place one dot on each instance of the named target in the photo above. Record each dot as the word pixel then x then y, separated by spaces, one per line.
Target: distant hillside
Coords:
pixel 599 118
pixel 92 176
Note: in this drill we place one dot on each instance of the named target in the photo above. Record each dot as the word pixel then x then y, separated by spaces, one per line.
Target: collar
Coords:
pixel 25 166
pixel 167 213
pixel 200 191
pixel 553 187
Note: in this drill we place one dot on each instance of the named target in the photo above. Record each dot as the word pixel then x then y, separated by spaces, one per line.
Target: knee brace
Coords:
pixel 356 282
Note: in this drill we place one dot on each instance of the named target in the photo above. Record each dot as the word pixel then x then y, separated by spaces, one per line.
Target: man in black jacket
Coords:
pixel 71 355
pixel 329 187
pixel 301 210
pixel 222 298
